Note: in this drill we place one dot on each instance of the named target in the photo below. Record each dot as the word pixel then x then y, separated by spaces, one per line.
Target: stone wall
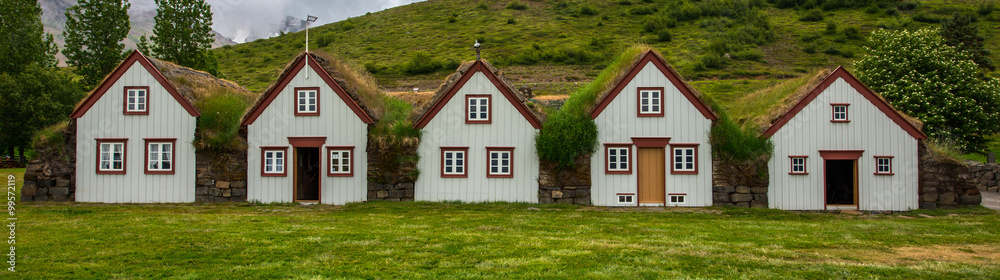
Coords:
pixel 739 184
pixel 221 176
pixel 392 169
pixel 945 182
pixel 564 186
pixel 986 176
pixel 51 175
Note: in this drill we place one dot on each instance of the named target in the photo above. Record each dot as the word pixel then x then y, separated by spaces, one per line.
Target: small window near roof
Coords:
pixel 307 101
pixel 136 100
pixel 477 108
pixel 840 113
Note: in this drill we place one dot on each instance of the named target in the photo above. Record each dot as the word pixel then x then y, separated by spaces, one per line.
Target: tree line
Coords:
pixel 34 93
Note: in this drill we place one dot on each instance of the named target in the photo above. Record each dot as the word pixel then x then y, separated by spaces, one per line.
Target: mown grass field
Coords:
pixel 500 240
pixel 437 240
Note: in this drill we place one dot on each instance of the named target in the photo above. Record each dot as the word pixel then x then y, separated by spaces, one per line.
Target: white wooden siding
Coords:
pixel 448 129
pixel 166 119
pixel 869 130
pixel 682 122
pixel 337 122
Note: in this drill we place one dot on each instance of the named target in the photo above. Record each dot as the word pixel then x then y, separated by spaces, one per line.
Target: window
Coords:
pixel 626 198
pixel 111 159
pixel 650 102
pixel 453 162
pixel 136 100
pixel 477 109
pixel 307 101
pixel 684 159
pixel 341 161
pixel 840 112
pixel 273 161
pixel 160 156
pixel 678 198
pixel 798 164
pixel 618 158
pixel 501 162
pixel 883 165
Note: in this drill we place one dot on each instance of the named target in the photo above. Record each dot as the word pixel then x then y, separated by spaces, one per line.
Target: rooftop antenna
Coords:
pixel 477 45
pixel 308 20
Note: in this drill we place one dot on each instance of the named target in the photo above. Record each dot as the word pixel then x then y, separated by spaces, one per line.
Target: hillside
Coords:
pixel 555 45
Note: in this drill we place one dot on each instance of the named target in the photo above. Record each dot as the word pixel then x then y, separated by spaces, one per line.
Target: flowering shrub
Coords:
pixel 936 83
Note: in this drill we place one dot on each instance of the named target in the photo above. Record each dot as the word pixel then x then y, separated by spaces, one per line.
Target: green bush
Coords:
pixel 852 33
pixel 421 63
pixel 813 15
pixel 831 28
pixel 809 37
pixel 985 7
pixel 926 18
pixel 940 85
pixel 511 21
pixel 733 142
pixel 714 61
pixel 655 24
pixel 685 12
pixel 664 36
pixel 587 10
pixel 566 136
pixel 325 40
pixel 641 11
pixel 749 55
pixel 515 5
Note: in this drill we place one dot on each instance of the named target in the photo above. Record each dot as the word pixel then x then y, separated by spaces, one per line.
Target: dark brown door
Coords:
pixel 307 173
pixel 651 168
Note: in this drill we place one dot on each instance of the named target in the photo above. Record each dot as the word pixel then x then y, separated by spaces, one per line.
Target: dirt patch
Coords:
pixel 561 97
pixel 976 254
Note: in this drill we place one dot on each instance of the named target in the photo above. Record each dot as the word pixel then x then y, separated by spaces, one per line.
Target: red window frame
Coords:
pixel 124 142
pixel 125 110
pixel 284 162
pixel 638 102
pixel 329 161
pixel 673 157
pixel 833 112
pixel 607 163
pixel 489 159
pixel 489 108
pixel 890 165
pixel 296 101
pixel 173 154
pixel 465 162
pixel 791 165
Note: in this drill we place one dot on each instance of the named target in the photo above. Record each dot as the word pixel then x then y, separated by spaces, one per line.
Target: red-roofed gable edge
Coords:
pixel 135 56
pixel 478 67
pixel 283 81
pixel 650 56
pixel 860 88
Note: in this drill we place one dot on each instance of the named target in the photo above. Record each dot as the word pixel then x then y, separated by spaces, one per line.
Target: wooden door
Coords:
pixel 651 168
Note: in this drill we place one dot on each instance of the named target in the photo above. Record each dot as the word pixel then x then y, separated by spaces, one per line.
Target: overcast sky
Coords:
pixel 261 15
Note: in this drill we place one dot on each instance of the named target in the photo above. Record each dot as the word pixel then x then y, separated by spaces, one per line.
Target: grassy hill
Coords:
pixel 556 45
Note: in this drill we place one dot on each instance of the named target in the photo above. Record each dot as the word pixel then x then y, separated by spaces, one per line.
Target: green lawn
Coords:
pixel 436 240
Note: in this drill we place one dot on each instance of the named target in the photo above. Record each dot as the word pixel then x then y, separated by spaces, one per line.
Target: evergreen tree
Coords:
pixel 94 33
pixel 183 34
pixel 24 41
pixel 33 93
pixel 960 31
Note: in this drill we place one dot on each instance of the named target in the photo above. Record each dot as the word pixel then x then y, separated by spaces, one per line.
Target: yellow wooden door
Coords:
pixel 651 168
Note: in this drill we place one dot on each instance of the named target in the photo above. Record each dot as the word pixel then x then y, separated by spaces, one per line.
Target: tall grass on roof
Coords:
pixel 219 124
pixel 760 108
pixel 570 132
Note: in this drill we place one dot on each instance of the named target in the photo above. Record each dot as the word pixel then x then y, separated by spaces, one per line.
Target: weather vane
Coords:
pixel 477 45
